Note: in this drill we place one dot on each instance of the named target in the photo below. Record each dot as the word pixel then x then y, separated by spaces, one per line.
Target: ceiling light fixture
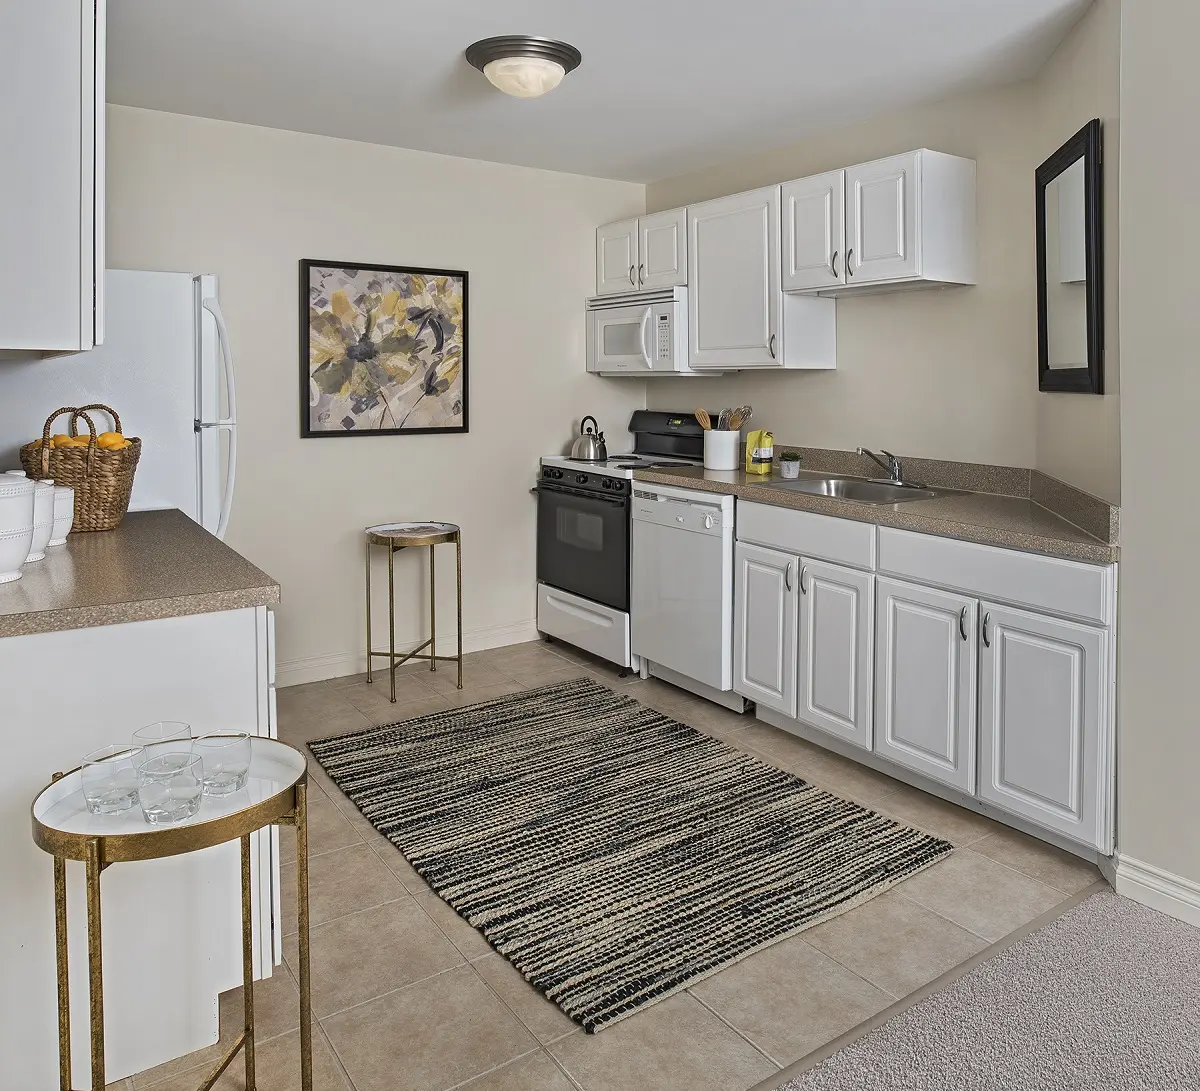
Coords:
pixel 521 65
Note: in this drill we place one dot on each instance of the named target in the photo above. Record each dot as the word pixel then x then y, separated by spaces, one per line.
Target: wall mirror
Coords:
pixel 1070 266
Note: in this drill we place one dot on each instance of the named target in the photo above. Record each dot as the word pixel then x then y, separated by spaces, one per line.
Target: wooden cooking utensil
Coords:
pixel 704 419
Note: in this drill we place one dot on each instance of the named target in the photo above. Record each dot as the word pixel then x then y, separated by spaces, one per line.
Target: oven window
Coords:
pixel 622 339
pixel 581 530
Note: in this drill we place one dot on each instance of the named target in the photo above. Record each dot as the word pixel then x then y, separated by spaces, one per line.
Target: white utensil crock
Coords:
pixel 722 449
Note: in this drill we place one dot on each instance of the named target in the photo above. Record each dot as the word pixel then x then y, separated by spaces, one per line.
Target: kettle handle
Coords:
pixel 583 425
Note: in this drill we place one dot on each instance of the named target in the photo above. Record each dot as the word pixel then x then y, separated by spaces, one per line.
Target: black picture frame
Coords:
pixel 1086 145
pixel 307 431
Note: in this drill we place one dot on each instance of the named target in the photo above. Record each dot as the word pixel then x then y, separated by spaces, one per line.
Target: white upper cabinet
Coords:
pixel 837 650
pixel 617 257
pixel 814 232
pixel 738 316
pixel 52 211
pixel 662 249
pixel 1044 696
pixel 910 220
pixel 643 253
pixel 733 274
pixel 764 627
pixel 925 681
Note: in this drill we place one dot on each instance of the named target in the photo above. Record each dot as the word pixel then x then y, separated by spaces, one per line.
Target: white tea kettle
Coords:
pixel 589 446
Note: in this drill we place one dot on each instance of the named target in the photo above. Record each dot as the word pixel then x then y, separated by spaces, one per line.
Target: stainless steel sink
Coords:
pixel 858 489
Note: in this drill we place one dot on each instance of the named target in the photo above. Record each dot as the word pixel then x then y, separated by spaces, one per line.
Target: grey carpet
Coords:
pixel 1107 998
pixel 614 855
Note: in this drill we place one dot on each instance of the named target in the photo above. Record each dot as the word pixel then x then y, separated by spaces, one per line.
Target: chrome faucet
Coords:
pixel 893 467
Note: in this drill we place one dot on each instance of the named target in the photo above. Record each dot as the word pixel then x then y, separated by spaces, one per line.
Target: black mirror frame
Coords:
pixel 1085 145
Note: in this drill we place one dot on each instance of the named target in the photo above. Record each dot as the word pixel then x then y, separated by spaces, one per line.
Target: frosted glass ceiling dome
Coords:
pixel 521 65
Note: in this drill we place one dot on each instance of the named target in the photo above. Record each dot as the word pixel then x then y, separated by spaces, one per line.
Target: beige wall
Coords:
pixel 1079 435
pixel 942 373
pixel 952 373
pixel 1159 726
pixel 247 203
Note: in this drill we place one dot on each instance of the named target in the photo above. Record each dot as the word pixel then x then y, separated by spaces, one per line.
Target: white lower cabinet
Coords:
pixel 985 670
pixel 764 627
pixel 925 681
pixel 837 643
pixel 1044 691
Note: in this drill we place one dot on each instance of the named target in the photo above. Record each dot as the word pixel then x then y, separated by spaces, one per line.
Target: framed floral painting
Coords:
pixel 383 350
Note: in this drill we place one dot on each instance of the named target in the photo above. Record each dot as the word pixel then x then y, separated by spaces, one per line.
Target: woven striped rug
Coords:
pixel 614 855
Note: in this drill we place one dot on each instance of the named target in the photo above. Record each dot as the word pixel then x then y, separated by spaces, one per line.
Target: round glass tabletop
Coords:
pixel 412 533
pixel 63 825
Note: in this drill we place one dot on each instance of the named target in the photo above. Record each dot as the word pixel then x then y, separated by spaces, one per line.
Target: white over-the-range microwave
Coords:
pixel 638 333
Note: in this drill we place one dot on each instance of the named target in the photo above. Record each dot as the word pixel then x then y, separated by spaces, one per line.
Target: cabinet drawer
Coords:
pixel 822 537
pixel 1048 584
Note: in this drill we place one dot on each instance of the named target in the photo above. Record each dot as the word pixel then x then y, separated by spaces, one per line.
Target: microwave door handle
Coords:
pixel 642 338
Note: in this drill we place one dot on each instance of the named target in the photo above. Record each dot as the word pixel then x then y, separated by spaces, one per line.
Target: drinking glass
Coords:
pixel 170 786
pixel 163 737
pixel 110 784
pixel 226 762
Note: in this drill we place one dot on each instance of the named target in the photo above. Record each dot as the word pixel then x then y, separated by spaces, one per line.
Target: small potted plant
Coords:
pixel 789 465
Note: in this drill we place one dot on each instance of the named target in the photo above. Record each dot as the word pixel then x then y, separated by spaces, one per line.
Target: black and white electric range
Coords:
pixel 583 533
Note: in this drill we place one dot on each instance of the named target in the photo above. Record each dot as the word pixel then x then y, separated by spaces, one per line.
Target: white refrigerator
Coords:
pixel 166 368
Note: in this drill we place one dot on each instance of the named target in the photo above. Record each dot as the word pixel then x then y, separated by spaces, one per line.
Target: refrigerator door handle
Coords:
pixel 228 422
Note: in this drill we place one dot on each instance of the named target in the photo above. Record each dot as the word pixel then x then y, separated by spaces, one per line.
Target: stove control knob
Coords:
pixel 581 479
pixel 606 483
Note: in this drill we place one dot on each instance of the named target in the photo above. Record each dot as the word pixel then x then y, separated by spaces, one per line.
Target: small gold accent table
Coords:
pixel 394 536
pixel 275 793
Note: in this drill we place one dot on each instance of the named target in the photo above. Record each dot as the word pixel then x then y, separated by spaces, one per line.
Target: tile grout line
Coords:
pixel 489 1071
pixel 353 912
pixel 1025 874
pixel 390 992
pixel 740 1033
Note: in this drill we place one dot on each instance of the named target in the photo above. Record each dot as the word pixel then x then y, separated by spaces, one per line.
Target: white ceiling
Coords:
pixel 666 86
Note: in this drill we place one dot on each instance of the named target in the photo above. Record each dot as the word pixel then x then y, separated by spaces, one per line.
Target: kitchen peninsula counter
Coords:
pixel 156 564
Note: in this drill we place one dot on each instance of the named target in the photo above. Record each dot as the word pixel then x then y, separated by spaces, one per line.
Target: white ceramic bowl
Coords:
pixel 14 548
pixel 43 519
pixel 64 514
pixel 16 503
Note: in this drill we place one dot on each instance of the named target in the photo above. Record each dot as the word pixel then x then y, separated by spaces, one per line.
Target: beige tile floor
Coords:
pixel 408 997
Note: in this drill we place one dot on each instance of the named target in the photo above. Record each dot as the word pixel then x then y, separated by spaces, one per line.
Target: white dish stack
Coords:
pixel 33 516
pixel 17 520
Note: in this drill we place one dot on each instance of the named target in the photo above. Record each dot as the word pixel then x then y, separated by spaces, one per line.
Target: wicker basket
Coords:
pixel 102 480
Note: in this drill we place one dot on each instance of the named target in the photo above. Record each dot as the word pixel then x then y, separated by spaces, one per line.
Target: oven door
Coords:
pixel 583 544
pixel 619 337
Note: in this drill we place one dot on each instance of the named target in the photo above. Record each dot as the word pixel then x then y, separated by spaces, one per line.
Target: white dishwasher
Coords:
pixel 681 588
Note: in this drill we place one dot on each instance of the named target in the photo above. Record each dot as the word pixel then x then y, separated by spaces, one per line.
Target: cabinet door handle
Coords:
pixel 641 274
pixel 787 576
pixel 833 264
pixel 987 643
pixel 849 267
pixel 631 280
pixel 771 346
pixel 962 623
pixel 803 588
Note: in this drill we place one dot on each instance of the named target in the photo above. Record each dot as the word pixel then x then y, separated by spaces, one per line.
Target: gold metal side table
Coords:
pixel 275 793
pixel 394 536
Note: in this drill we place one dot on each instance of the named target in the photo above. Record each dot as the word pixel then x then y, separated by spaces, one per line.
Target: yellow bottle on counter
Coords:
pixel 760 452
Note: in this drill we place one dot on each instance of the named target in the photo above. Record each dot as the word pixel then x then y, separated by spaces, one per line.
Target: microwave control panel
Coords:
pixel 663 343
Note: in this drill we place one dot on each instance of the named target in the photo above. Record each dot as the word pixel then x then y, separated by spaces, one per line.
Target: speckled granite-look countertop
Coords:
pixel 156 564
pixel 1009 521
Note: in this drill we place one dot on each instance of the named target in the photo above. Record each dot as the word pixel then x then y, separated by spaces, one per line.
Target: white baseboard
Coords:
pixel 1162 890
pixel 316 668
